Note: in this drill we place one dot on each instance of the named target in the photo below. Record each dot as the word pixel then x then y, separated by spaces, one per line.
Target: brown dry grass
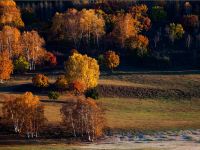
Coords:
pixel 138 114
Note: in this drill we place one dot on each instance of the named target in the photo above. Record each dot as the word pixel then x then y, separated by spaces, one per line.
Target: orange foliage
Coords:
pixel 6 66
pixel 126 26
pixel 83 118
pixel 25 113
pixel 138 43
pixel 10 40
pixel 10 14
pixel 139 13
pixel 78 87
pixel 112 60
pixel 40 80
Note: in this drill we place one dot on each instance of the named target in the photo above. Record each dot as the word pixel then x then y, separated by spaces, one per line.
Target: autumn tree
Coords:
pixel 10 14
pixel 25 113
pixel 92 25
pixel 175 31
pixel 139 12
pixel 67 26
pixel 125 27
pixel 6 66
pixel 82 68
pixel 32 45
pixel 10 40
pixel 190 22
pixel 138 44
pixel 83 118
pixel 129 25
pixel 40 81
pixel 79 26
pixel 112 60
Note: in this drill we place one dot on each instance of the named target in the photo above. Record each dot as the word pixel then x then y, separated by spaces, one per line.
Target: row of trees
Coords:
pixel 89 28
pixel 19 50
pixel 81 118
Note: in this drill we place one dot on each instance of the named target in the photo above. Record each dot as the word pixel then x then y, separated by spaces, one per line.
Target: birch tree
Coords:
pixel 25 113
pixel 32 45
pixel 6 66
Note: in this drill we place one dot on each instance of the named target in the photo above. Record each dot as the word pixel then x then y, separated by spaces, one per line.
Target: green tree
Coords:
pixel 21 65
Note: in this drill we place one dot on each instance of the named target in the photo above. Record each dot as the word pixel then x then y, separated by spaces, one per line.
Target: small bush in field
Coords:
pixel 61 83
pixel 77 87
pixel 40 81
pixel 53 95
pixel 21 65
pixel 112 60
pixel 92 93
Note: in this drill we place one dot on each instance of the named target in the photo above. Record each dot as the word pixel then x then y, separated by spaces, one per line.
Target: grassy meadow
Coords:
pixel 135 113
pixel 141 115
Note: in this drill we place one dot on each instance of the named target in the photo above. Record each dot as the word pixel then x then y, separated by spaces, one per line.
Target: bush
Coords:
pixel 61 83
pixel 77 87
pixel 53 95
pixel 112 60
pixel 40 81
pixel 92 93
pixel 21 65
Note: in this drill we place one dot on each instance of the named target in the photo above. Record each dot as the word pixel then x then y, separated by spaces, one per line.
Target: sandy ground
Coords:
pixel 162 145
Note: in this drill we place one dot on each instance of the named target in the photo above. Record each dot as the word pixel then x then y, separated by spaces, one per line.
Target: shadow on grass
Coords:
pixel 22 88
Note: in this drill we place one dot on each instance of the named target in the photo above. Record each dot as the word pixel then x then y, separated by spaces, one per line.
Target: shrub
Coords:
pixel 21 65
pixel 82 68
pixel 92 93
pixel 83 118
pixel 53 95
pixel 77 87
pixel 112 60
pixel 40 81
pixel 61 83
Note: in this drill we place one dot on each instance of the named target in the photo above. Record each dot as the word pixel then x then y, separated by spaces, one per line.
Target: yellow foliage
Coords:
pixel 82 68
